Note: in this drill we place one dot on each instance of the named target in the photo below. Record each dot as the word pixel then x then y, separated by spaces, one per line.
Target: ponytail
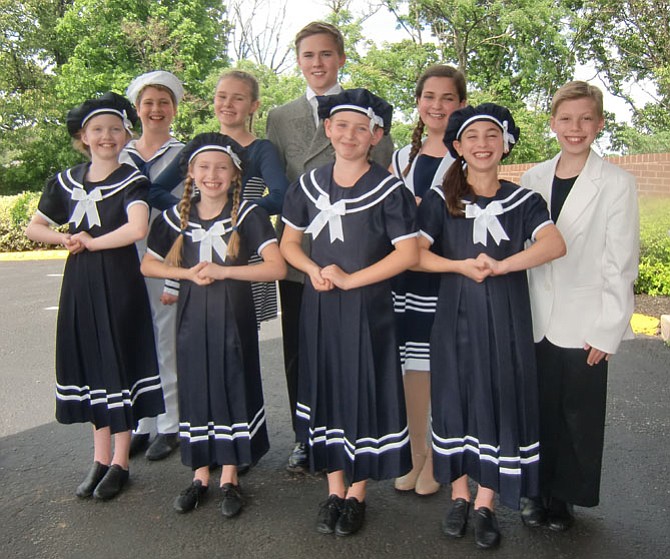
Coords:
pixel 456 187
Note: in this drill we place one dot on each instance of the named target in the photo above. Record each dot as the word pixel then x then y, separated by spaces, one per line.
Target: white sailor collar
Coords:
pixel 332 212
pixel 172 142
pixel 211 239
pixel 72 181
pixel 485 217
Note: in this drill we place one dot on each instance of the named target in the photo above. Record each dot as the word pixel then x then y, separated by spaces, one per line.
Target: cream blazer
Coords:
pixel 586 297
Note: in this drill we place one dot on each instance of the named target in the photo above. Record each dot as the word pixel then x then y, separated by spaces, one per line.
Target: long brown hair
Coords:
pixel 173 257
pixel 434 71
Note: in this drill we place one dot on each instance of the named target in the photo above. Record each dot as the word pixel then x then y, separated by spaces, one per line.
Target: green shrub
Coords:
pixel 654 275
pixel 15 214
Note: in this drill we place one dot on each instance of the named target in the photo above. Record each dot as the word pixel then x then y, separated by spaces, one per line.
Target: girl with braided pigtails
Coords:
pixel 420 165
pixel 205 242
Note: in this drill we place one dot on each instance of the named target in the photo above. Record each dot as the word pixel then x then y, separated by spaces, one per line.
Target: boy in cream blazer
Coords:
pixel 581 303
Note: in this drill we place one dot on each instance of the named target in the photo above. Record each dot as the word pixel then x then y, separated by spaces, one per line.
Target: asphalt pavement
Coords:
pixel 42 462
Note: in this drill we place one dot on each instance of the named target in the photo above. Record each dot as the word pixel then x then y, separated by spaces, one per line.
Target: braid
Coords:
pixel 417 135
pixel 174 255
pixel 234 241
pixel 456 187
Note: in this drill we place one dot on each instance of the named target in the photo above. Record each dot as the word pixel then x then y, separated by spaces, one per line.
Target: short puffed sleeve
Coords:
pixel 400 214
pixel 256 229
pixel 137 192
pixel 54 203
pixel 296 211
pixel 431 215
pixel 535 215
pixel 162 235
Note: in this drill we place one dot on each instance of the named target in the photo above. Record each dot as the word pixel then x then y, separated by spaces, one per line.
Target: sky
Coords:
pixel 381 27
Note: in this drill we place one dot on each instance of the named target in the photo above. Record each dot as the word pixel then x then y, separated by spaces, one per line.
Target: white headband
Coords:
pixel 107 111
pixel 504 126
pixel 375 119
pixel 214 147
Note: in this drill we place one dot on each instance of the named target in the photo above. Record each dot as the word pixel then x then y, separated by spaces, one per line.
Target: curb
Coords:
pixel 33 255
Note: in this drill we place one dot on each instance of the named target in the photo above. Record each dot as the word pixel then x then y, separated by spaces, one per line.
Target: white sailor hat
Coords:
pixel 158 77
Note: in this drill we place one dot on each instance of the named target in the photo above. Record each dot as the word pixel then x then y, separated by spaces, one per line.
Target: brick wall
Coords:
pixel 652 171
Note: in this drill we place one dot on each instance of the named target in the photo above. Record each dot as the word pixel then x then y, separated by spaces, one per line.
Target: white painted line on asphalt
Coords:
pixel 50 308
pixel 54 275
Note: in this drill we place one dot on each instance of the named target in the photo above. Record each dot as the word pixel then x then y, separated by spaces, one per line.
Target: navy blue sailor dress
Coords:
pixel 106 370
pixel 351 407
pixel 221 409
pixel 484 394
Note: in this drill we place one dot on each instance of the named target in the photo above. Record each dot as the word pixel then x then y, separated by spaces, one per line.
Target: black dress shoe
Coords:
pixel 560 515
pixel 456 520
pixel 329 512
pixel 110 485
pixel 138 443
pixel 351 517
pixel 487 534
pixel 298 461
pixel 162 446
pixel 533 512
pixel 232 500
pixel 95 474
pixel 190 497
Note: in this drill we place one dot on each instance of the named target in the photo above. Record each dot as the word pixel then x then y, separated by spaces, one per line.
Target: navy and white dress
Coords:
pixel 106 370
pixel 351 408
pixel 483 378
pixel 415 293
pixel 221 410
pixel 264 182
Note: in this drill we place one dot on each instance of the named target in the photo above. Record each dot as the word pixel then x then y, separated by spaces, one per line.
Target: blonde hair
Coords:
pixel 248 79
pixel 174 255
pixel 578 90
pixel 434 71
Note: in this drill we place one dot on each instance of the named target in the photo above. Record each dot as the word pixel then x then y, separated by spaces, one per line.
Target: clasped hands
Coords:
pixel 478 269
pixel 330 277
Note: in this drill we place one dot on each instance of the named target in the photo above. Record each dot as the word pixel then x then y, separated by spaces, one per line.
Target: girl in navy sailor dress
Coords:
pixel 106 369
pixel 205 242
pixel 264 181
pixel 350 409
pixel 484 381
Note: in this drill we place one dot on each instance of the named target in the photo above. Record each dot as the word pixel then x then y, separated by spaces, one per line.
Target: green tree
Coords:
pixel 514 49
pixel 82 48
pixel 629 43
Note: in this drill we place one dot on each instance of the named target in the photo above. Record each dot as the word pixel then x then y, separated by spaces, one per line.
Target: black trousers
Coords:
pixel 290 293
pixel 572 423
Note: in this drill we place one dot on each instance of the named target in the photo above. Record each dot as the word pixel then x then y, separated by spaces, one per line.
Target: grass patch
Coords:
pixel 654 275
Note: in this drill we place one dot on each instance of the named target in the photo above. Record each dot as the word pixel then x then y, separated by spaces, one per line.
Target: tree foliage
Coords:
pixel 629 43
pixel 55 53
pixel 58 53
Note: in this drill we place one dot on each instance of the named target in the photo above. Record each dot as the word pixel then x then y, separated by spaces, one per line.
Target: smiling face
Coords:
pixel 576 123
pixel 481 145
pixel 439 98
pixel 319 61
pixel 156 109
pixel 233 102
pixel 105 136
pixel 213 172
pixel 349 132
